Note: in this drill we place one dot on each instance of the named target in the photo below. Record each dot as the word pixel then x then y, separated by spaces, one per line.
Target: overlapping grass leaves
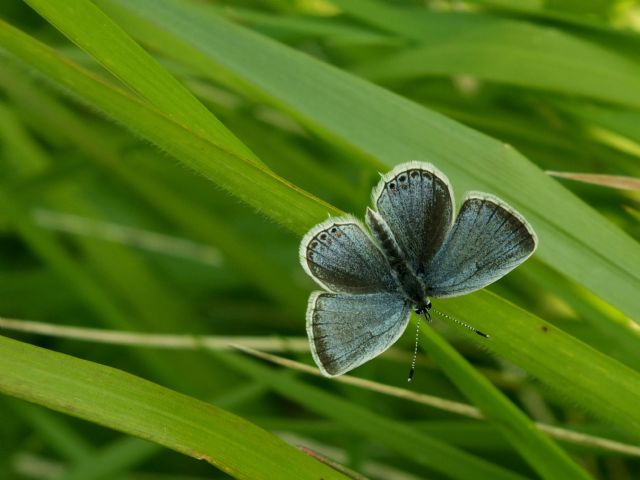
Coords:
pixel 390 129
pixel 264 190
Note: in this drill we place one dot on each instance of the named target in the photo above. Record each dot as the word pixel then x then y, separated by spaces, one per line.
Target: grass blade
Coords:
pixel 135 406
pixel 269 193
pixel 389 129
pixel 543 455
pixel 501 50
pixel 417 447
pixel 88 27
pixel 612 181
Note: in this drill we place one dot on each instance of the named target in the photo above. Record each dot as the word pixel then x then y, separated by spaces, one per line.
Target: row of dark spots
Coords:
pixel 323 236
pixel 403 178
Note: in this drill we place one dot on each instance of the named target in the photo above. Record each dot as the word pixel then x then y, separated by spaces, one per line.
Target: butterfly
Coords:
pixel 412 250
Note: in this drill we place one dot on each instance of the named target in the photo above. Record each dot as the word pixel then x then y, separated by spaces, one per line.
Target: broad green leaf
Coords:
pixel 385 127
pixel 130 404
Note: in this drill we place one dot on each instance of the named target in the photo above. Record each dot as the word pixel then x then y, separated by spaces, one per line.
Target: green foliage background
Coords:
pixel 161 160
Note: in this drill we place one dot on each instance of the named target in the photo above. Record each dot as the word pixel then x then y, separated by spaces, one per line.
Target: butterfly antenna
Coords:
pixel 415 352
pixel 461 323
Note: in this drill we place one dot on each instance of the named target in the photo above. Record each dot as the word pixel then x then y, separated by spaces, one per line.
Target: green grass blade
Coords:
pixel 406 441
pixel 267 192
pixel 196 222
pixel 121 401
pixel 88 27
pixel 558 359
pixel 542 453
pixel 275 196
pixel 514 53
pixel 390 129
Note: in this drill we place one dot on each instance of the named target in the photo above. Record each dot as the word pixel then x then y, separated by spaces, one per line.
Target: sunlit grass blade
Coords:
pixel 612 181
pixel 258 346
pixel 195 221
pixel 87 26
pixel 390 129
pixel 268 193
pixel 135 406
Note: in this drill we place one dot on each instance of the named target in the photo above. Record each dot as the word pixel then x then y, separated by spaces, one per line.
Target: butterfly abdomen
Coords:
pixel 409 283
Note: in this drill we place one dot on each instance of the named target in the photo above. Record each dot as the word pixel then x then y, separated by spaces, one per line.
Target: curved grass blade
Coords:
pixel 268 192
pixel 501 50
pixel 121 401
pixel 417 447
pixel 589 388
pixel 554 357
pixel 390 129
pixel 88 27
pixel 542 454
pixel 612 181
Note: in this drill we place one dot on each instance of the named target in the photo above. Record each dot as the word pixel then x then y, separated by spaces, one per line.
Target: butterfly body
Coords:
pixel 413 250
pixel 410 285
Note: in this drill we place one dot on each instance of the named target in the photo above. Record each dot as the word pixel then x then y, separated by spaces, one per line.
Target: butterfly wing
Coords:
pixel 341 257
pixel 347 330
pixel 487 241
pixel 415 200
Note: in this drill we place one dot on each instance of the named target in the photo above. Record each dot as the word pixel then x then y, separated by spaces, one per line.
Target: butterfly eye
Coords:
pixel 334 230
pixel 323 236
pixel 314 244
pixel 414 174
pixel 402 178
pixel 392 186
pixel 428 304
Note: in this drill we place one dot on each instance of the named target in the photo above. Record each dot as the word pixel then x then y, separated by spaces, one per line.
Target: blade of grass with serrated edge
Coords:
pixel 532 356
pixel 259 188
pixel 385 127
pixel 127 403
pixel 88 27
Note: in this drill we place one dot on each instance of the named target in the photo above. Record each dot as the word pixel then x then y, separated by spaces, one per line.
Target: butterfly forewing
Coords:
pixel 341 257
pixel 347 330
pixel 416 202
pixel 487 241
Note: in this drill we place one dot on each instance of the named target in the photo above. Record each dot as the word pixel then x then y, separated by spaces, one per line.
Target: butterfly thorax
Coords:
pixel 410 284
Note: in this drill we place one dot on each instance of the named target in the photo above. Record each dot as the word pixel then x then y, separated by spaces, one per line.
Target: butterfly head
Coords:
pixel 423 309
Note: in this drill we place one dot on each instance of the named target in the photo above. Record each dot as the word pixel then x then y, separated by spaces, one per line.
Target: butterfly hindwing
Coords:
pixel 347 330
pixel 415 200
pixel 341 257
pixel 487 241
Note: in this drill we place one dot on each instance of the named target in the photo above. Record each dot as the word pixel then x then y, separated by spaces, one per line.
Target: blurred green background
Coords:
pixel 101 229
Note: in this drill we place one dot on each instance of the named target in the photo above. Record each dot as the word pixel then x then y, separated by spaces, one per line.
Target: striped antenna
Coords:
pixel 461 323
pixel 415 352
